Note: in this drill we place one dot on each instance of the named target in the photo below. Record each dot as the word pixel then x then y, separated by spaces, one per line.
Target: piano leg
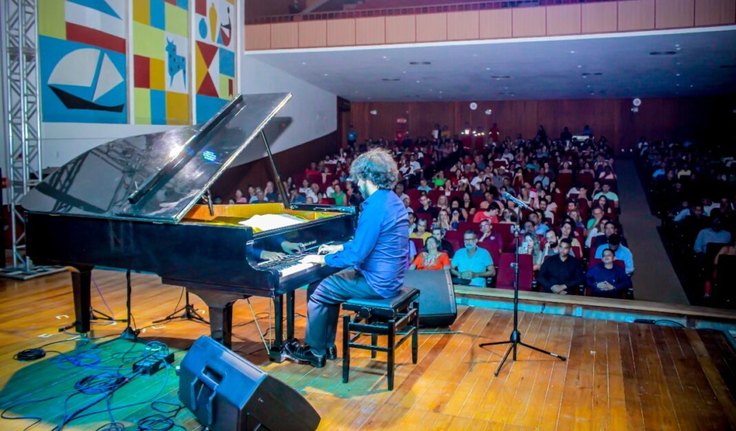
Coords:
pixel 290 315
pixel 82 298
pixel 278 338
pixel 221 311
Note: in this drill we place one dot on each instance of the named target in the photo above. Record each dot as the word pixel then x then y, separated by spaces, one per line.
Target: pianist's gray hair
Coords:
pixel 378 166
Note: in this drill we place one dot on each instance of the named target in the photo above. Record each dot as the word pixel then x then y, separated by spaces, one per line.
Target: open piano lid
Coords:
pixel 156 177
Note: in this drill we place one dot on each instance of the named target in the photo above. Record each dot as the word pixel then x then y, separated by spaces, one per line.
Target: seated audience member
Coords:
pixel 341 199
pixel 606 191
pixel 455 219
pixel 488 236
pixel 445 246
pixel 488 211
pixel 530 245
pixel 295 197
pixel 561 273
pixel 443 220
pixel 270 192
pixel 472 264
pixel 421 231
pixel 604 204
pixel 412 223
pixel 607 279
pixel 432 258
pixel 399 190
pixel 715 233
pixel 259 198
pixel 567 230
pixel 597 215
pixel 423 186
pixel 239 198
pixel 609 228
pixel 620 251
pixel 551 244
pixel 425 207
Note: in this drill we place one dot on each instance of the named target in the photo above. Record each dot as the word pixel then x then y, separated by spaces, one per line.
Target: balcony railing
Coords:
pixel 359 12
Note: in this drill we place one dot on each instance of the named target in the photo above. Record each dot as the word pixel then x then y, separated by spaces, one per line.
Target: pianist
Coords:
pixel 373 262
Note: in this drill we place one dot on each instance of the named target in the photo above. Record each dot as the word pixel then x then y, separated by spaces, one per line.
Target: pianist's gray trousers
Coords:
pixel 323 307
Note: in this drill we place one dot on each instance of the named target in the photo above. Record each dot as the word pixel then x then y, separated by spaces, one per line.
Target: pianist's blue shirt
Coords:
pixel 381 245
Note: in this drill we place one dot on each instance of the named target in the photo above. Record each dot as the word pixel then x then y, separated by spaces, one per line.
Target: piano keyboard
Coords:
pixel 287 266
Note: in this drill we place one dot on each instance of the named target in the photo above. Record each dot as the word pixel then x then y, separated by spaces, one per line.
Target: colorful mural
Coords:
pixel 214 21
pixel 161 61
pixel 82 60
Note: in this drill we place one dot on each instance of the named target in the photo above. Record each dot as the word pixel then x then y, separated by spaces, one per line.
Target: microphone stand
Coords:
pixel 515 338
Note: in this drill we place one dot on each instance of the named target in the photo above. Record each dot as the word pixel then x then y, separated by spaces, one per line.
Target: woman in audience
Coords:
pixel 530 245
pixel 567 230
pixel 603 203
pixel 467 207
pixel 443 203
pixel 431 259
pixel 456 217
pixel 444 220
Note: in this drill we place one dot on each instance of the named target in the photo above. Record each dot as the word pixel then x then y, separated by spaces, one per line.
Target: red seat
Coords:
pixel 505 278
pixel 464 226
pixel 418 244
pixel 504 230
pixel 455 238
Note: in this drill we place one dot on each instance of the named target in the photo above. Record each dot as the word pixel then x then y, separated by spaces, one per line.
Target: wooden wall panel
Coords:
pixel 284 35
pixel 431 27
pixel 312 34
pixel 257 37
pixel 714 12
pixel 599 17
pixel 370 31
pixel 635 15
pixel 495 24
pixel 699 119
pixel 341 32
pixel 563 20
pixel 401 29
pixel 529 21
pixel 675 13
pixel 462 25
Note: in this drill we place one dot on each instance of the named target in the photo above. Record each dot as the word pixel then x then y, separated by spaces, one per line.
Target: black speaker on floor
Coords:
pixel 227 393
pixel 437 302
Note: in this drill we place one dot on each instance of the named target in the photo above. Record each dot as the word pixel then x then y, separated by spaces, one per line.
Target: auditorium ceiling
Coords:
pixel 676 63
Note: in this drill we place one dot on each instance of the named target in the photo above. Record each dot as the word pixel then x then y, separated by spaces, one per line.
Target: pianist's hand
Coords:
pixel 271 255
pixel 329 248
pixel 292 247
pixel 314 259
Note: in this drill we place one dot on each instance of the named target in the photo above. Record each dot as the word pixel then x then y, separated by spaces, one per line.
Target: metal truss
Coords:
pixel 21 113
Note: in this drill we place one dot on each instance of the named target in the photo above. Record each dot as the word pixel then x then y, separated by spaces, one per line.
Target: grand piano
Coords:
pixel 137 204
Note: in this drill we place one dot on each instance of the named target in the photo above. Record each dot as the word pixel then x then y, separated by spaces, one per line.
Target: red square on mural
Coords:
pixel 142 72
pixel 201 7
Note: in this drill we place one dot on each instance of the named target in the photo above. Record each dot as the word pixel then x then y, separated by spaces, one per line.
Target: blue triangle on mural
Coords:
pixel 219 38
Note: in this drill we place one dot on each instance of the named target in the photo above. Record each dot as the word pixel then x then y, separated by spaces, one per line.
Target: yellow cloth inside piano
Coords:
pixel 266 222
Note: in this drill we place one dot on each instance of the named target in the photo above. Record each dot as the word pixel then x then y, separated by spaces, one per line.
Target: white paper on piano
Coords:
pixel 264 222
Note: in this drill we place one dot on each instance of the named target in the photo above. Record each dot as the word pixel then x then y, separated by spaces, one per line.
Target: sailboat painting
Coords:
pixel 83 61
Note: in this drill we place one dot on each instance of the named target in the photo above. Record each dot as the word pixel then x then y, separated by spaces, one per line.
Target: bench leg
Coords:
pixel 374 342
pixel 390 345
pixel 345 348
pixel 415 335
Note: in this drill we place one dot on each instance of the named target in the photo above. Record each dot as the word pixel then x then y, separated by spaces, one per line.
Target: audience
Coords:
pixel 432 258
pixel 607 279
pixel 472 265
pixel 561 273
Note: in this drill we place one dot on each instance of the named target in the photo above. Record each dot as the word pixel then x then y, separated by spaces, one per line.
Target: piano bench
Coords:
pixel 381 317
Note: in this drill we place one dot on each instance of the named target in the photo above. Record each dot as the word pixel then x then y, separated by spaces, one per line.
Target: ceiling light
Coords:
pixel 572 52
pixel 384 57
pixel 327 74
pixel 580 66
pixel 418 81
pixel 488 68
pixel 304 63
pixel 677 74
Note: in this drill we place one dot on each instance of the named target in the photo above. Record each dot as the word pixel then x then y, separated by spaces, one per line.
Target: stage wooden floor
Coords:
pixel 619 376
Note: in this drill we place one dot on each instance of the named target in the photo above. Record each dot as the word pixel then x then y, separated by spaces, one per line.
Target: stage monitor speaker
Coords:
pixel 227 393
pixel 437 302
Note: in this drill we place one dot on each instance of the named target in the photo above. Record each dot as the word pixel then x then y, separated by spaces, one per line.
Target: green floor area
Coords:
pixel 92 385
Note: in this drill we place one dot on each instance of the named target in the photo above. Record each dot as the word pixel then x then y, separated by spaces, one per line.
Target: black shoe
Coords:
pixel 331 352
pixel 303 354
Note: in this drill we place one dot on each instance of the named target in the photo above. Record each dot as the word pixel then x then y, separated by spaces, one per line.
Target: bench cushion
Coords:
pixel 402 300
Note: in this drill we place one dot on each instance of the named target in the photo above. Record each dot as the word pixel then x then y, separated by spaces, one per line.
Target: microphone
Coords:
pixel 515 200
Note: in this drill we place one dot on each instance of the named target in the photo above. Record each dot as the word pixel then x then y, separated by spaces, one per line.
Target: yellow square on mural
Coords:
pixel 142 98
pixel 224 89
pixel 51 19
pixel 142 11
pixel 157 74
pixel 176 20
pixel 177 108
